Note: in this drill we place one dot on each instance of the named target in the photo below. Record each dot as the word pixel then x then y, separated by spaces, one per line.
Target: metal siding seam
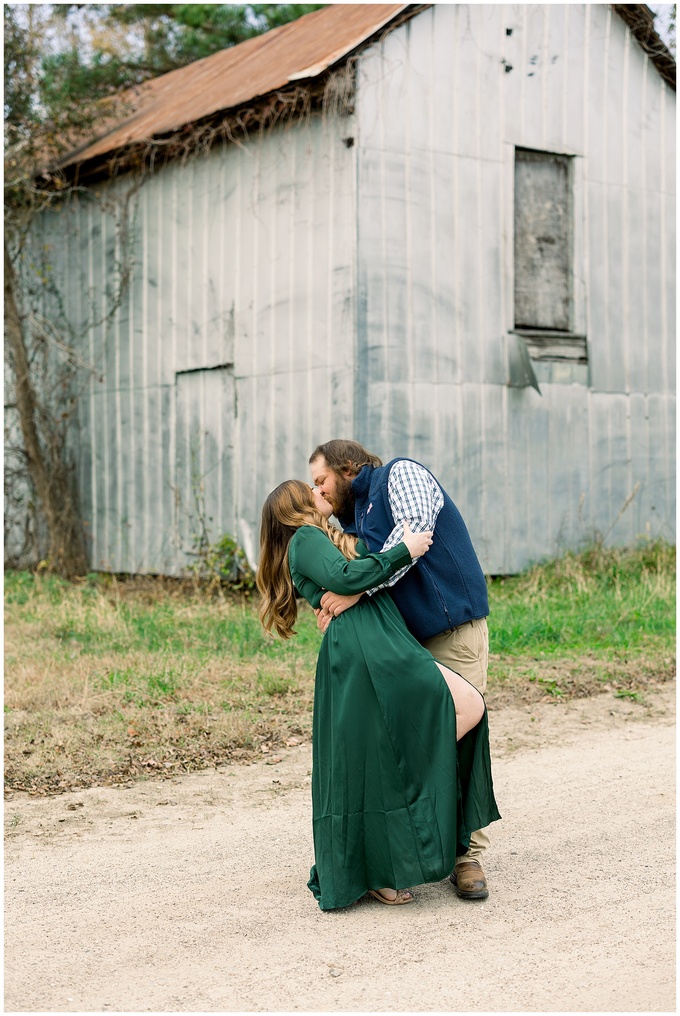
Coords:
pixel 630 474
pixel 275 369
pixel 544 73
pixel 644 240
pixel 624 110
pixel 94 547
pixel 668 388
pixel 119 483
pixel 173 550
pixel 309 290
pixel 553 411
pixel 329 283
pixel 434 319
pixel 565 74
pixel 662 239
pixel 626 337
pixel 78 318
pixel 456 315
pixel 481 338
pixel 235 495
pixel 131 508
pixel 144 394
pixel 162 504
pixel 254 215
pixel 455 44
pixel 218 168
pixel 523 90
pixel 500 561
pixel 503 552
pixel 188 355
pixel 206 164
pixel 222 382
pixel 291 401
pixel 585 225
pixel 408 85
pixel 361 367
pixel 352 249
pixel 359 387
pixel 481 380
pixel 586 84
pixel 386 406
pixel 605 339
pixel 236 449
pixel 106 440
pixel 608 469
pixel 605 96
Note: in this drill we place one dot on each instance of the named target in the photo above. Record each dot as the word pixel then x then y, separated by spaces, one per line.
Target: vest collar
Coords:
pixel 362 481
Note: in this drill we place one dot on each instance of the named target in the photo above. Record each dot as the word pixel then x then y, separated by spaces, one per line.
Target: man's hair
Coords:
pixel 341 455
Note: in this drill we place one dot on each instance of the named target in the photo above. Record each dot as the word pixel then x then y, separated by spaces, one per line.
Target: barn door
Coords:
pixel 204 459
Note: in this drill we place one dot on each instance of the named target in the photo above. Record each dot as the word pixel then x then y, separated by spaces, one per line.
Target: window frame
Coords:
pixel 545 345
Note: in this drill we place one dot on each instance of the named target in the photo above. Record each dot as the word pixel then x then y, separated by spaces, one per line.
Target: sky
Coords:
pixel 663 14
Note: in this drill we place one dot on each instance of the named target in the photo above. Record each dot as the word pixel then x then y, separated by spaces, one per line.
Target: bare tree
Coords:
pixel 44 367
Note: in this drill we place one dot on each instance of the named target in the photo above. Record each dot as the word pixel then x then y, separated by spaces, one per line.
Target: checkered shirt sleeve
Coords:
pixel 415 497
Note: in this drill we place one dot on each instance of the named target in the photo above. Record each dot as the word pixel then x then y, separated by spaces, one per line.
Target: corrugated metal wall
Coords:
pixel 442 103
pixel 308 286
pixel 231 350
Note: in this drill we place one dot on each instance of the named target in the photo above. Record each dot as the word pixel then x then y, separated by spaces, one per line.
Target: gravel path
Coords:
pixel 189 894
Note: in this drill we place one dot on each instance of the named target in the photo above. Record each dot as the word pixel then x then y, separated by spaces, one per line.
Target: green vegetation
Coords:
pixel 110 680
pixel 587 621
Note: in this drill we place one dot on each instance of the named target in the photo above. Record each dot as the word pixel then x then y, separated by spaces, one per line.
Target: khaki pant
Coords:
pixel 465 650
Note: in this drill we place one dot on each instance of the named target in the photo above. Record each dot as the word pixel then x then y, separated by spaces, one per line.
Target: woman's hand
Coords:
pixel 417 543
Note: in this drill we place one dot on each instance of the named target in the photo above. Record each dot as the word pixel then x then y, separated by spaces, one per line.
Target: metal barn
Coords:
pixel 458 246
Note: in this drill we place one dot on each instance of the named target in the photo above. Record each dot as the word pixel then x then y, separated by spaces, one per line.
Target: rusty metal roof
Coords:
pixel 228 79
pixel 298 51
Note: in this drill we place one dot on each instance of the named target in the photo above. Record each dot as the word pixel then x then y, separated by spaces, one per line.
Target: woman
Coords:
pixel 401 771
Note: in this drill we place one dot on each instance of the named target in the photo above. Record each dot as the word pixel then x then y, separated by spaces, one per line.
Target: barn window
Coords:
pixel 543 256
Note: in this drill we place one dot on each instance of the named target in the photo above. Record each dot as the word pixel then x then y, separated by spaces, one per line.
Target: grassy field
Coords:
pixel 108 681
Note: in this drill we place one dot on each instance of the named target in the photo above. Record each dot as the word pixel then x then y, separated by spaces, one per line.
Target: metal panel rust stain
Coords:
pixel 227 79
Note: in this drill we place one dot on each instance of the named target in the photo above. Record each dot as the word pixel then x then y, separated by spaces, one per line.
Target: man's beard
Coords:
pixel 343 499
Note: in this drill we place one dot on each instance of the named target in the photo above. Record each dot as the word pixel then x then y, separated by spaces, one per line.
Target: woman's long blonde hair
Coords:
pixel 287 508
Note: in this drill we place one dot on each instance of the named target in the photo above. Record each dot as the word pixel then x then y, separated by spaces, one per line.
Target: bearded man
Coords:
pixel 442 596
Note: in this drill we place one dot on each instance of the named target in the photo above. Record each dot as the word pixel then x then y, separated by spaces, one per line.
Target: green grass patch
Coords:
pixel 110 680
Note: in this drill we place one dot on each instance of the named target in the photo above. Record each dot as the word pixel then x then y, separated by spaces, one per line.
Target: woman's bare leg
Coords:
pixel 468 703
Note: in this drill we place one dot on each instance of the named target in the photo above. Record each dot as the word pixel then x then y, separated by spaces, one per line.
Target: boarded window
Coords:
pixel 543 212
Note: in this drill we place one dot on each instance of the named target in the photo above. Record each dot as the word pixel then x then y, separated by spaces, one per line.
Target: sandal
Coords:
pixel 403 896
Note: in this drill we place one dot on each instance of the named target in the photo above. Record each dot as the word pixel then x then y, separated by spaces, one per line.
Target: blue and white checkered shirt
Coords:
pixel 415 497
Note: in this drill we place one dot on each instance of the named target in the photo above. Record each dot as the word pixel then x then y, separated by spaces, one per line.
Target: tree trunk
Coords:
pixel 49 472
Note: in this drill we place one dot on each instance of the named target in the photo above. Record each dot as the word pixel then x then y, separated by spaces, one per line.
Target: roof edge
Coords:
pixel 313 74
pixel 640 20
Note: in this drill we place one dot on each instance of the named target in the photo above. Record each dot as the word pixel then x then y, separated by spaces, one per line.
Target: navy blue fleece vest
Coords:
pixel 446 587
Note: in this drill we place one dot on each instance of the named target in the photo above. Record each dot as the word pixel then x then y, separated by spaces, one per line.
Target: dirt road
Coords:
pixel 189 895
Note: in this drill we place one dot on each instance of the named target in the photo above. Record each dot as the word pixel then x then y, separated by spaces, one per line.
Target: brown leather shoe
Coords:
pixel 469 881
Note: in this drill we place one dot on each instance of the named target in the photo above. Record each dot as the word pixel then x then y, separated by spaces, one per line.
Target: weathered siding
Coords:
pixel 231 349
pixel 442 103
pixel 353 276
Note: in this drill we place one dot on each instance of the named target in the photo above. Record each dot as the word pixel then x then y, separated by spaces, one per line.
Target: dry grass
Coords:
pixel 98 690
pixel 110 681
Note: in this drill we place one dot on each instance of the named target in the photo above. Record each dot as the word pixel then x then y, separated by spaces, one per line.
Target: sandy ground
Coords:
pixel 190 895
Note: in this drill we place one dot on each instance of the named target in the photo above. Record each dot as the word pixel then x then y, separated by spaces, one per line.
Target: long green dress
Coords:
pixel 394 799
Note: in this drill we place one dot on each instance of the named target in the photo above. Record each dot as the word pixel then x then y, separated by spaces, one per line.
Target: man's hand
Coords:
pixel 322 619
pixel 333 604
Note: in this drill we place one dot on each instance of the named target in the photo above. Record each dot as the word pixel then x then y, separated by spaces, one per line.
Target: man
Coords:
pixel 442 597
